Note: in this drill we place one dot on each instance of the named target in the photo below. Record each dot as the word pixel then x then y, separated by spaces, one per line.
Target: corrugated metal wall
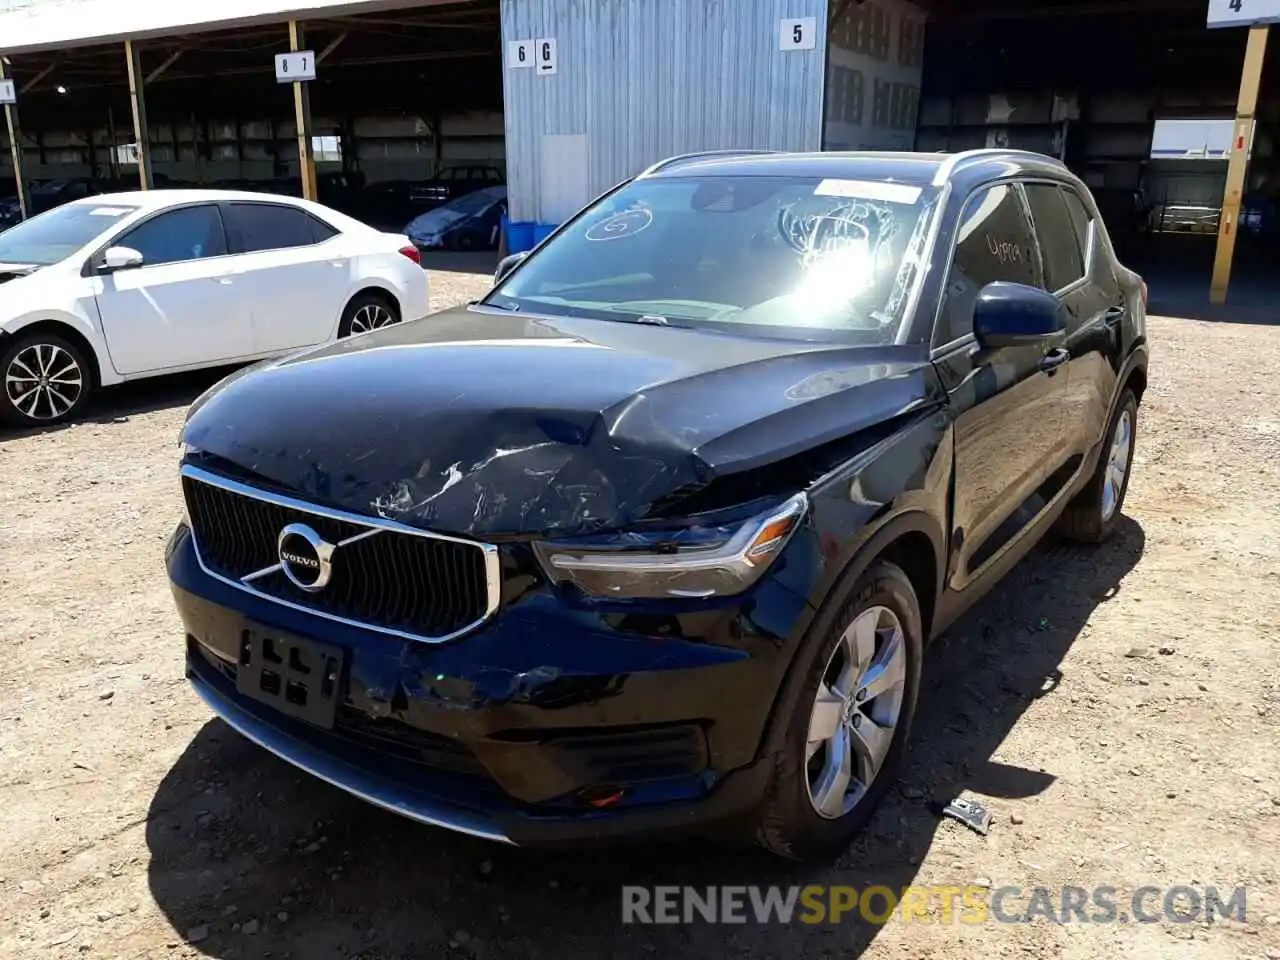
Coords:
pixel 640 80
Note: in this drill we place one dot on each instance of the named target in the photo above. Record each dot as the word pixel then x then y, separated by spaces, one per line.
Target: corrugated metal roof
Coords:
pixel 641 80
pixel 53 24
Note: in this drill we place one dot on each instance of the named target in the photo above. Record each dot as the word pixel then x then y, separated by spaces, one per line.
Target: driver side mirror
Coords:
pixel 120 258
pixel 506 265
pixel 1016 315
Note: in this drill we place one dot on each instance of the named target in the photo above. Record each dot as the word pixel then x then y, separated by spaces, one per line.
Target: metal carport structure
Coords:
pixel 100 45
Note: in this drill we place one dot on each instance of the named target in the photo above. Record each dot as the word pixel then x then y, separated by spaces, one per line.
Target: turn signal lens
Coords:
pixel 695 562
pixel 413 254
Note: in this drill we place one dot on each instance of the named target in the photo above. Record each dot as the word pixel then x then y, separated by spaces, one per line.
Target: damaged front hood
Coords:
pixel 488 423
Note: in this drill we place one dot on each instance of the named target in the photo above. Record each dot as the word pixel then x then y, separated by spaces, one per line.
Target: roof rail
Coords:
pixel 699 155
pixel 957 160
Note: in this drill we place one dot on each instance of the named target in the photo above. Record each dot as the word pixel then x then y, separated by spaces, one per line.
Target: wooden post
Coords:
pixel 15 147
pixel 302 117
pixel 138 99
pixel 113 161
pixel 1238 163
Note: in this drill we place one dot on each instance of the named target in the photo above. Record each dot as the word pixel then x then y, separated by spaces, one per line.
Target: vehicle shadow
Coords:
pixel 115 404
pixel 250 856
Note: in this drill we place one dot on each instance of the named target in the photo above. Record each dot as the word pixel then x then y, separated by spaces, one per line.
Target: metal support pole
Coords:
pixel 15 147
pixel 138 99
pixel 113 159
pixel 302 116
pixel 1238 163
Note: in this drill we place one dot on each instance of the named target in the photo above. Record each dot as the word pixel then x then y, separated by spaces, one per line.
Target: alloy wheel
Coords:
pixel 44 381
pixel 371 316
pixel 856 712
pixel 1117 465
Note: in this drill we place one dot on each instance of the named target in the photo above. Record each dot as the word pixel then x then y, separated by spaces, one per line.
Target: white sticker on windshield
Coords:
pixel 627 223
pixel 868 190
pixel 108 211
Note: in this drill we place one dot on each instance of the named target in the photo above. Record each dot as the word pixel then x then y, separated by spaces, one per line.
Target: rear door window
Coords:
pixel 1080 218
pixel 1060 245
pixel 254 227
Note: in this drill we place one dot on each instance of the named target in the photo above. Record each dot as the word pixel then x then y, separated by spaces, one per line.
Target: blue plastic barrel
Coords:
pixel 542 230
pixel 520 236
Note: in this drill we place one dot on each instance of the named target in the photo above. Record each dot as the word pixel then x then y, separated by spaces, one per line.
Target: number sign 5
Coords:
pixel 798 34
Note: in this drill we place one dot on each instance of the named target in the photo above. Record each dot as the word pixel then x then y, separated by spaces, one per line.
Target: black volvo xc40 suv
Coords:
pixel 653 536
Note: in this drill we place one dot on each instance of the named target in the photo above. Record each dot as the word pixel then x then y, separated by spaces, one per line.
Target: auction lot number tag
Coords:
pixel 295 67
pixel 1243 13
pixel 800 33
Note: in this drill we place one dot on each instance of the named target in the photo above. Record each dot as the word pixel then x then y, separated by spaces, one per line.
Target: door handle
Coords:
pixel 337 263
pixel 1113 316
pixel 225 281
pixel 1055 358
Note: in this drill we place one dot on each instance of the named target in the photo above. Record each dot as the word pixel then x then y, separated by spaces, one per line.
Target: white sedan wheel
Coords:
pixel 45 381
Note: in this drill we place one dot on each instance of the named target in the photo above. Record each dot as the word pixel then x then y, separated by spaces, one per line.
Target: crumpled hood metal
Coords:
pixel 488 423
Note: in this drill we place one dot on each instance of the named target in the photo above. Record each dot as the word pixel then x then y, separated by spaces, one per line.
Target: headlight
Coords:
pixel 693 562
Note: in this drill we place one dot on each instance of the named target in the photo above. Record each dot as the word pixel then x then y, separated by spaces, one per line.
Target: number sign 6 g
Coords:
pixel 1243 13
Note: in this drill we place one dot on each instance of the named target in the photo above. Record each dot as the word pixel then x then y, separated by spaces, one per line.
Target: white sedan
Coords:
pixel 131 285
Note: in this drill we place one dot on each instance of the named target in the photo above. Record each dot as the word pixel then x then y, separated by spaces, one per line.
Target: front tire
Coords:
pixel 368 311
pixel 46 380
pixel 848 728
pixel 1093 515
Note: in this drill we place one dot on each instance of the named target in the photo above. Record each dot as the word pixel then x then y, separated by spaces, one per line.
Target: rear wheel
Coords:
pixel 1093 515
pixel 47 380
pixel 368 311
pixel 847 731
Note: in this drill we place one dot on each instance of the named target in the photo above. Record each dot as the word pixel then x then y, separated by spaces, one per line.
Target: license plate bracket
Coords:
pixel 299 677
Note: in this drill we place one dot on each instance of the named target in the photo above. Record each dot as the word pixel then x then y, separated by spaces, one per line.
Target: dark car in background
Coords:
pixel 653 536
pixel 48 194
pixel 469 222
pixel 45 196
pixel 453 182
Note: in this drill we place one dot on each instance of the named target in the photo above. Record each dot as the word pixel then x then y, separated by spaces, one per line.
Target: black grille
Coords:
pixel 397 581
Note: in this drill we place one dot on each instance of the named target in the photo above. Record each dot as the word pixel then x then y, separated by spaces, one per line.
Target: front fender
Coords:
pixel 899 488
pixel 900 485
pixel 79 324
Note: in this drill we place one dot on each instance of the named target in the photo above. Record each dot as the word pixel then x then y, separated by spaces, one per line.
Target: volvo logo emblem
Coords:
pixel 305 557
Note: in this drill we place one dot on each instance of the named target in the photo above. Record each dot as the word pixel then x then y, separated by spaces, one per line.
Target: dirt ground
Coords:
pixel 1118 709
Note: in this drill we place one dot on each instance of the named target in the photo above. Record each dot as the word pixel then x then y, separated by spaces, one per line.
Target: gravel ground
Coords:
pixel 1116 708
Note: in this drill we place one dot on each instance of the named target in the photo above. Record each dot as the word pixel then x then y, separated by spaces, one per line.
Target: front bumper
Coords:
pixel 516 732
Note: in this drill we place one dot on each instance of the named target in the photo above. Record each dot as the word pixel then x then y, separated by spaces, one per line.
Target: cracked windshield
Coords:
pixel 802 259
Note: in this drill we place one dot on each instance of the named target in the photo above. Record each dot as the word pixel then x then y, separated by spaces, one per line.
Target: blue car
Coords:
pixel 469 222
pixel 653 537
